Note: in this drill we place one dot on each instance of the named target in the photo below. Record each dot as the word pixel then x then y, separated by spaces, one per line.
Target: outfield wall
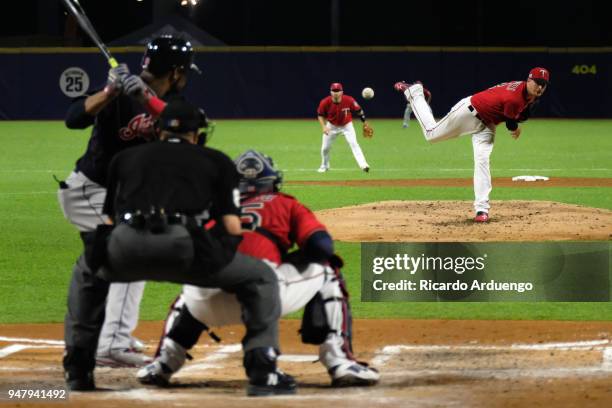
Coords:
pixel 273 82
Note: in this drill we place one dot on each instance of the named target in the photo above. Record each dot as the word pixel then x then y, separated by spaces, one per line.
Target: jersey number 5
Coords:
pixel 249 217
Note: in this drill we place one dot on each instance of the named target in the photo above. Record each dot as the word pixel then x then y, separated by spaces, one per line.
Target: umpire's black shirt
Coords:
pixel 175 175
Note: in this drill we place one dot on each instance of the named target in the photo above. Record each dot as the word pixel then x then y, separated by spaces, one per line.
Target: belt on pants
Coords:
pixel 477 116
pixel 156 220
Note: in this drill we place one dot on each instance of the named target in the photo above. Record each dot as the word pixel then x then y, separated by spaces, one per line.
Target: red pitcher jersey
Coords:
pixel 338 114
pixel 281 215
pixel 501 102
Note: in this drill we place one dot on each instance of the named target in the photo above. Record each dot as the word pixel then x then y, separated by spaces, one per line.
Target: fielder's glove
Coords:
pixel 368 131
pixel 114 83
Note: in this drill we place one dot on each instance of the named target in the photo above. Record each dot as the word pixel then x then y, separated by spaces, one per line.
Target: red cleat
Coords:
pixel 481 216
pixel 401 86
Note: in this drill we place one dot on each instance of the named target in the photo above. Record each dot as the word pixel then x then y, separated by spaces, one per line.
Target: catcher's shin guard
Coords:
pixel 337 346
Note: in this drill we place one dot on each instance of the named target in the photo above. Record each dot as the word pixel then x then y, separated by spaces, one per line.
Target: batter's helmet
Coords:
pixel 166 53
pixel 257 173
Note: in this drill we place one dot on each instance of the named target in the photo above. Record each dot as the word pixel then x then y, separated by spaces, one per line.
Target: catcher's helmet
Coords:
pixel 165 53
pixel 257 173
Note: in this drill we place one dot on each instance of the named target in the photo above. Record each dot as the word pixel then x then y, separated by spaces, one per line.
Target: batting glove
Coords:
pixel 116 75
pixel 134 87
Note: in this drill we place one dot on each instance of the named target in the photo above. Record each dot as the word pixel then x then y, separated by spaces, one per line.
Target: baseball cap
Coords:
pixel 181 116
pixel 539 73
pixel 336 86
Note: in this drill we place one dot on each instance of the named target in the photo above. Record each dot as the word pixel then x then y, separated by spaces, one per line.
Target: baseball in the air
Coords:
pixel 367 93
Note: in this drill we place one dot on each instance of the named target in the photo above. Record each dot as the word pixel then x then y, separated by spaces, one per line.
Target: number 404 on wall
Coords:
pixel 584 69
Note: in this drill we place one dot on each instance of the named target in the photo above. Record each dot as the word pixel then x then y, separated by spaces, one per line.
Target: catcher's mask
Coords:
pixel 257 173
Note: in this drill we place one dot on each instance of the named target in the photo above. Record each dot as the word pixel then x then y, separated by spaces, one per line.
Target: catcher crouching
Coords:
pixel 309 276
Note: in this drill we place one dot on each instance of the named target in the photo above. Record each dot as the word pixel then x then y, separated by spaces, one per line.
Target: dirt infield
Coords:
pixel 423 363
pixel 428 221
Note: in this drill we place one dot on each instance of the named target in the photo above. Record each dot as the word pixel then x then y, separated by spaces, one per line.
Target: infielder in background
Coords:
pixel 273 223
pixel 335 116
pixel 479 115
pixel 119 122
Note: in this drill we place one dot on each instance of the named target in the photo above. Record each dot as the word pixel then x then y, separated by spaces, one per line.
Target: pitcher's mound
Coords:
pixel 427 221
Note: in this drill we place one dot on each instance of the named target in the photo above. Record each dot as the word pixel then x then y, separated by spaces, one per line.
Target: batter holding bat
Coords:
pixel 479 115
pixel 122 115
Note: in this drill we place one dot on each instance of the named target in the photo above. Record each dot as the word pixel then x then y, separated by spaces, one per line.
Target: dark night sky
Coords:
pixel 372 22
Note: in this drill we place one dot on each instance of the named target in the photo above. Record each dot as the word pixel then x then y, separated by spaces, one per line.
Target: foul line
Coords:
pixel 214 359
pixel 15 348
pixel 388 352
pixel 35 341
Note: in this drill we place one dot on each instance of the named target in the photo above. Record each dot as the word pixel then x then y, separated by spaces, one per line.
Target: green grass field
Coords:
pixel 38 247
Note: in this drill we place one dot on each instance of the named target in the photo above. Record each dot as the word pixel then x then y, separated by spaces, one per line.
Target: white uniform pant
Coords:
pixel 348 131
pixel 214 307
pixel 459 121
pixel 82 204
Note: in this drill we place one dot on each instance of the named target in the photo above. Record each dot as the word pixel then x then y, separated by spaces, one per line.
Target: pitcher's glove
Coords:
pixel 368 131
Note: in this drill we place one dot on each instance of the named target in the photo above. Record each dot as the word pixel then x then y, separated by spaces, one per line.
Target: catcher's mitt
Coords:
pixel 368 131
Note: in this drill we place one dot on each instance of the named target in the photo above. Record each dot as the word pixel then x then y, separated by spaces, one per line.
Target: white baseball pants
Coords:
pixel 82 204
pixel 348 131
pixel 459 121
pixel 214 307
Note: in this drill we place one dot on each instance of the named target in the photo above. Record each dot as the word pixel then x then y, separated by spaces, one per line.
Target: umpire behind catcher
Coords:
pixel 159 196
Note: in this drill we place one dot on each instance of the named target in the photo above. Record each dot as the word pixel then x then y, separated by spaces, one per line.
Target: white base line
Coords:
pixel 15 348
pixel 433 170
pixel 500 373
pixel 388 352
pixel 212 360
pixel 27 340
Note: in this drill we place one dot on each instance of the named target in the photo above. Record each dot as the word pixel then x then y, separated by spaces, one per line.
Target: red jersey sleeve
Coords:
pixel 354 105
pixel 303 223
pixel 323 106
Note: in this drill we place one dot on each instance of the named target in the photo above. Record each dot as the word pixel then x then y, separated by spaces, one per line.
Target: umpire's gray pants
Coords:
pixel 253 281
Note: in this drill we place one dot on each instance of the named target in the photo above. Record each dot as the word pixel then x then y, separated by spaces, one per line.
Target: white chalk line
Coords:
pixel 384 355
pixel 391 351
pixel 499 373
pixel 298 358
pixel 442 170
pixel 35 341
pixel 212 360
pixel 15 348
pixel 32 369
pixel 28 193
pixel 355 168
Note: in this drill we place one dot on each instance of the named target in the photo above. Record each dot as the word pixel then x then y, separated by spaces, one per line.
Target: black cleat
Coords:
pixel 80 382
pixel 265 379
pixel 276 383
